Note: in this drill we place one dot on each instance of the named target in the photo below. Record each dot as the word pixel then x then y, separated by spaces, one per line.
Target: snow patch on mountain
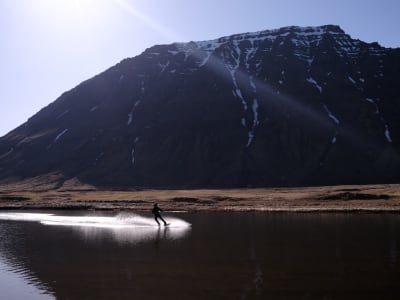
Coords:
pixel 237 57
pixel 250 53
pixel 133 150
pixel 254 108
pixel 302 37
pixel 130 117
pixel 232 63
pixel 163 66
pixel 351 80
pixel 315 83
pixel 330 115
pixel 387 134
pixel 62 114
pixel 136 104
pixel 205 60
pixel 173 52
pixel 60 135
pixel 372 101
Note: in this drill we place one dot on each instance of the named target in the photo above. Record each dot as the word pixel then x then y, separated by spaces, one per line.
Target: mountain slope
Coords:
pixel 292 106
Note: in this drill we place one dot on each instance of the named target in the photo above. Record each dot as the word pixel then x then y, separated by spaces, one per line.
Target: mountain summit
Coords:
pixel 287 107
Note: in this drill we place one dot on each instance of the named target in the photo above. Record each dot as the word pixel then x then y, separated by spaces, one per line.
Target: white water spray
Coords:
pixel 124 227
pixel 122 220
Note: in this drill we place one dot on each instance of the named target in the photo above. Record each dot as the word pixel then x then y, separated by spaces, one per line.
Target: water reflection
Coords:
pixel 17 280
pixel 224 255
pixel 393 248
pixel 42 252
pixel 16 285
pixel 134 234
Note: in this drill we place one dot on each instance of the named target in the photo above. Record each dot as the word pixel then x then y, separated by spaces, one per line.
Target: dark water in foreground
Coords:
pixel 221 256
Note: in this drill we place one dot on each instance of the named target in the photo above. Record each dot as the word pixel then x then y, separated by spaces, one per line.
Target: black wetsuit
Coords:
pixel 156 212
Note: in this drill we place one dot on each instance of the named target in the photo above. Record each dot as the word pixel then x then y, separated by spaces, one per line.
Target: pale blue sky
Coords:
pixel 50 46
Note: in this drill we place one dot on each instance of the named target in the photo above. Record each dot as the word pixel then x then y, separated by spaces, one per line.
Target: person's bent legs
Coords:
pixel 159 217
pixel 165 222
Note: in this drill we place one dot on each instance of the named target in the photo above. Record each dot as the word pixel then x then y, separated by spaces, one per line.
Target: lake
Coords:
pixel 110 255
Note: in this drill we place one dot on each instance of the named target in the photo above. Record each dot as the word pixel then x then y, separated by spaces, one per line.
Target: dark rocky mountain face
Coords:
pixel 287 107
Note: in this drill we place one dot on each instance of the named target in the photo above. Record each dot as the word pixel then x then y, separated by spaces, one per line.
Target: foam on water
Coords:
pixel 124 226
pixel 122 220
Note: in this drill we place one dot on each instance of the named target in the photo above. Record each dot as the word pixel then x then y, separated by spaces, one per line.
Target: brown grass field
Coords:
pixel 73 195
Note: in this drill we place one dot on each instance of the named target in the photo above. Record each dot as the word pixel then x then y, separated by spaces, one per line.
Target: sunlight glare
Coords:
pixel 149 21
pixel 71 15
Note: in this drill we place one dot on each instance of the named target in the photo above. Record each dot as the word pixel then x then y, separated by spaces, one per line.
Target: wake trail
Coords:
pixel 122 220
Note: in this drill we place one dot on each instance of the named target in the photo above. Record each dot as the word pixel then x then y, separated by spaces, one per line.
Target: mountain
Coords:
pixel 294 106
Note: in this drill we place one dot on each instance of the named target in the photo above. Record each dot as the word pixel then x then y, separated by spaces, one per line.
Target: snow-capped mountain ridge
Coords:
pixel 317 31
pixel 291 106
pixel 243 47
pixel 299 36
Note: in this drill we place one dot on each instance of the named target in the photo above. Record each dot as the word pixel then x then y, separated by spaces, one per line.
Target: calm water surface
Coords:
pixel 82 255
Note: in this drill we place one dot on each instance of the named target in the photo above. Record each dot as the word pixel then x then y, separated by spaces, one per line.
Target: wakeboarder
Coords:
pixel 156 212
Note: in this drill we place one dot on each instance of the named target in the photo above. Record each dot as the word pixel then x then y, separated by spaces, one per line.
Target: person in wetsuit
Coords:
pixel 156 212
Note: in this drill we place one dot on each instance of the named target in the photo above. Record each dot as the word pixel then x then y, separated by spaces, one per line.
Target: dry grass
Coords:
pixel 73 195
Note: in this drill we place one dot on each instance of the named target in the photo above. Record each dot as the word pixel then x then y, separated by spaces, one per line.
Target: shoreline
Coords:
pixel 304 210
pixel 380 198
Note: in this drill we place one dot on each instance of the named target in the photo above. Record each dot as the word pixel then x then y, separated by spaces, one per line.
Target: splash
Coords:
pixel 122 220
pixel 124 227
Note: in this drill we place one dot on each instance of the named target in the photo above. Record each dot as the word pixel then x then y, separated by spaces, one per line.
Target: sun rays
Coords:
pixel 149 21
